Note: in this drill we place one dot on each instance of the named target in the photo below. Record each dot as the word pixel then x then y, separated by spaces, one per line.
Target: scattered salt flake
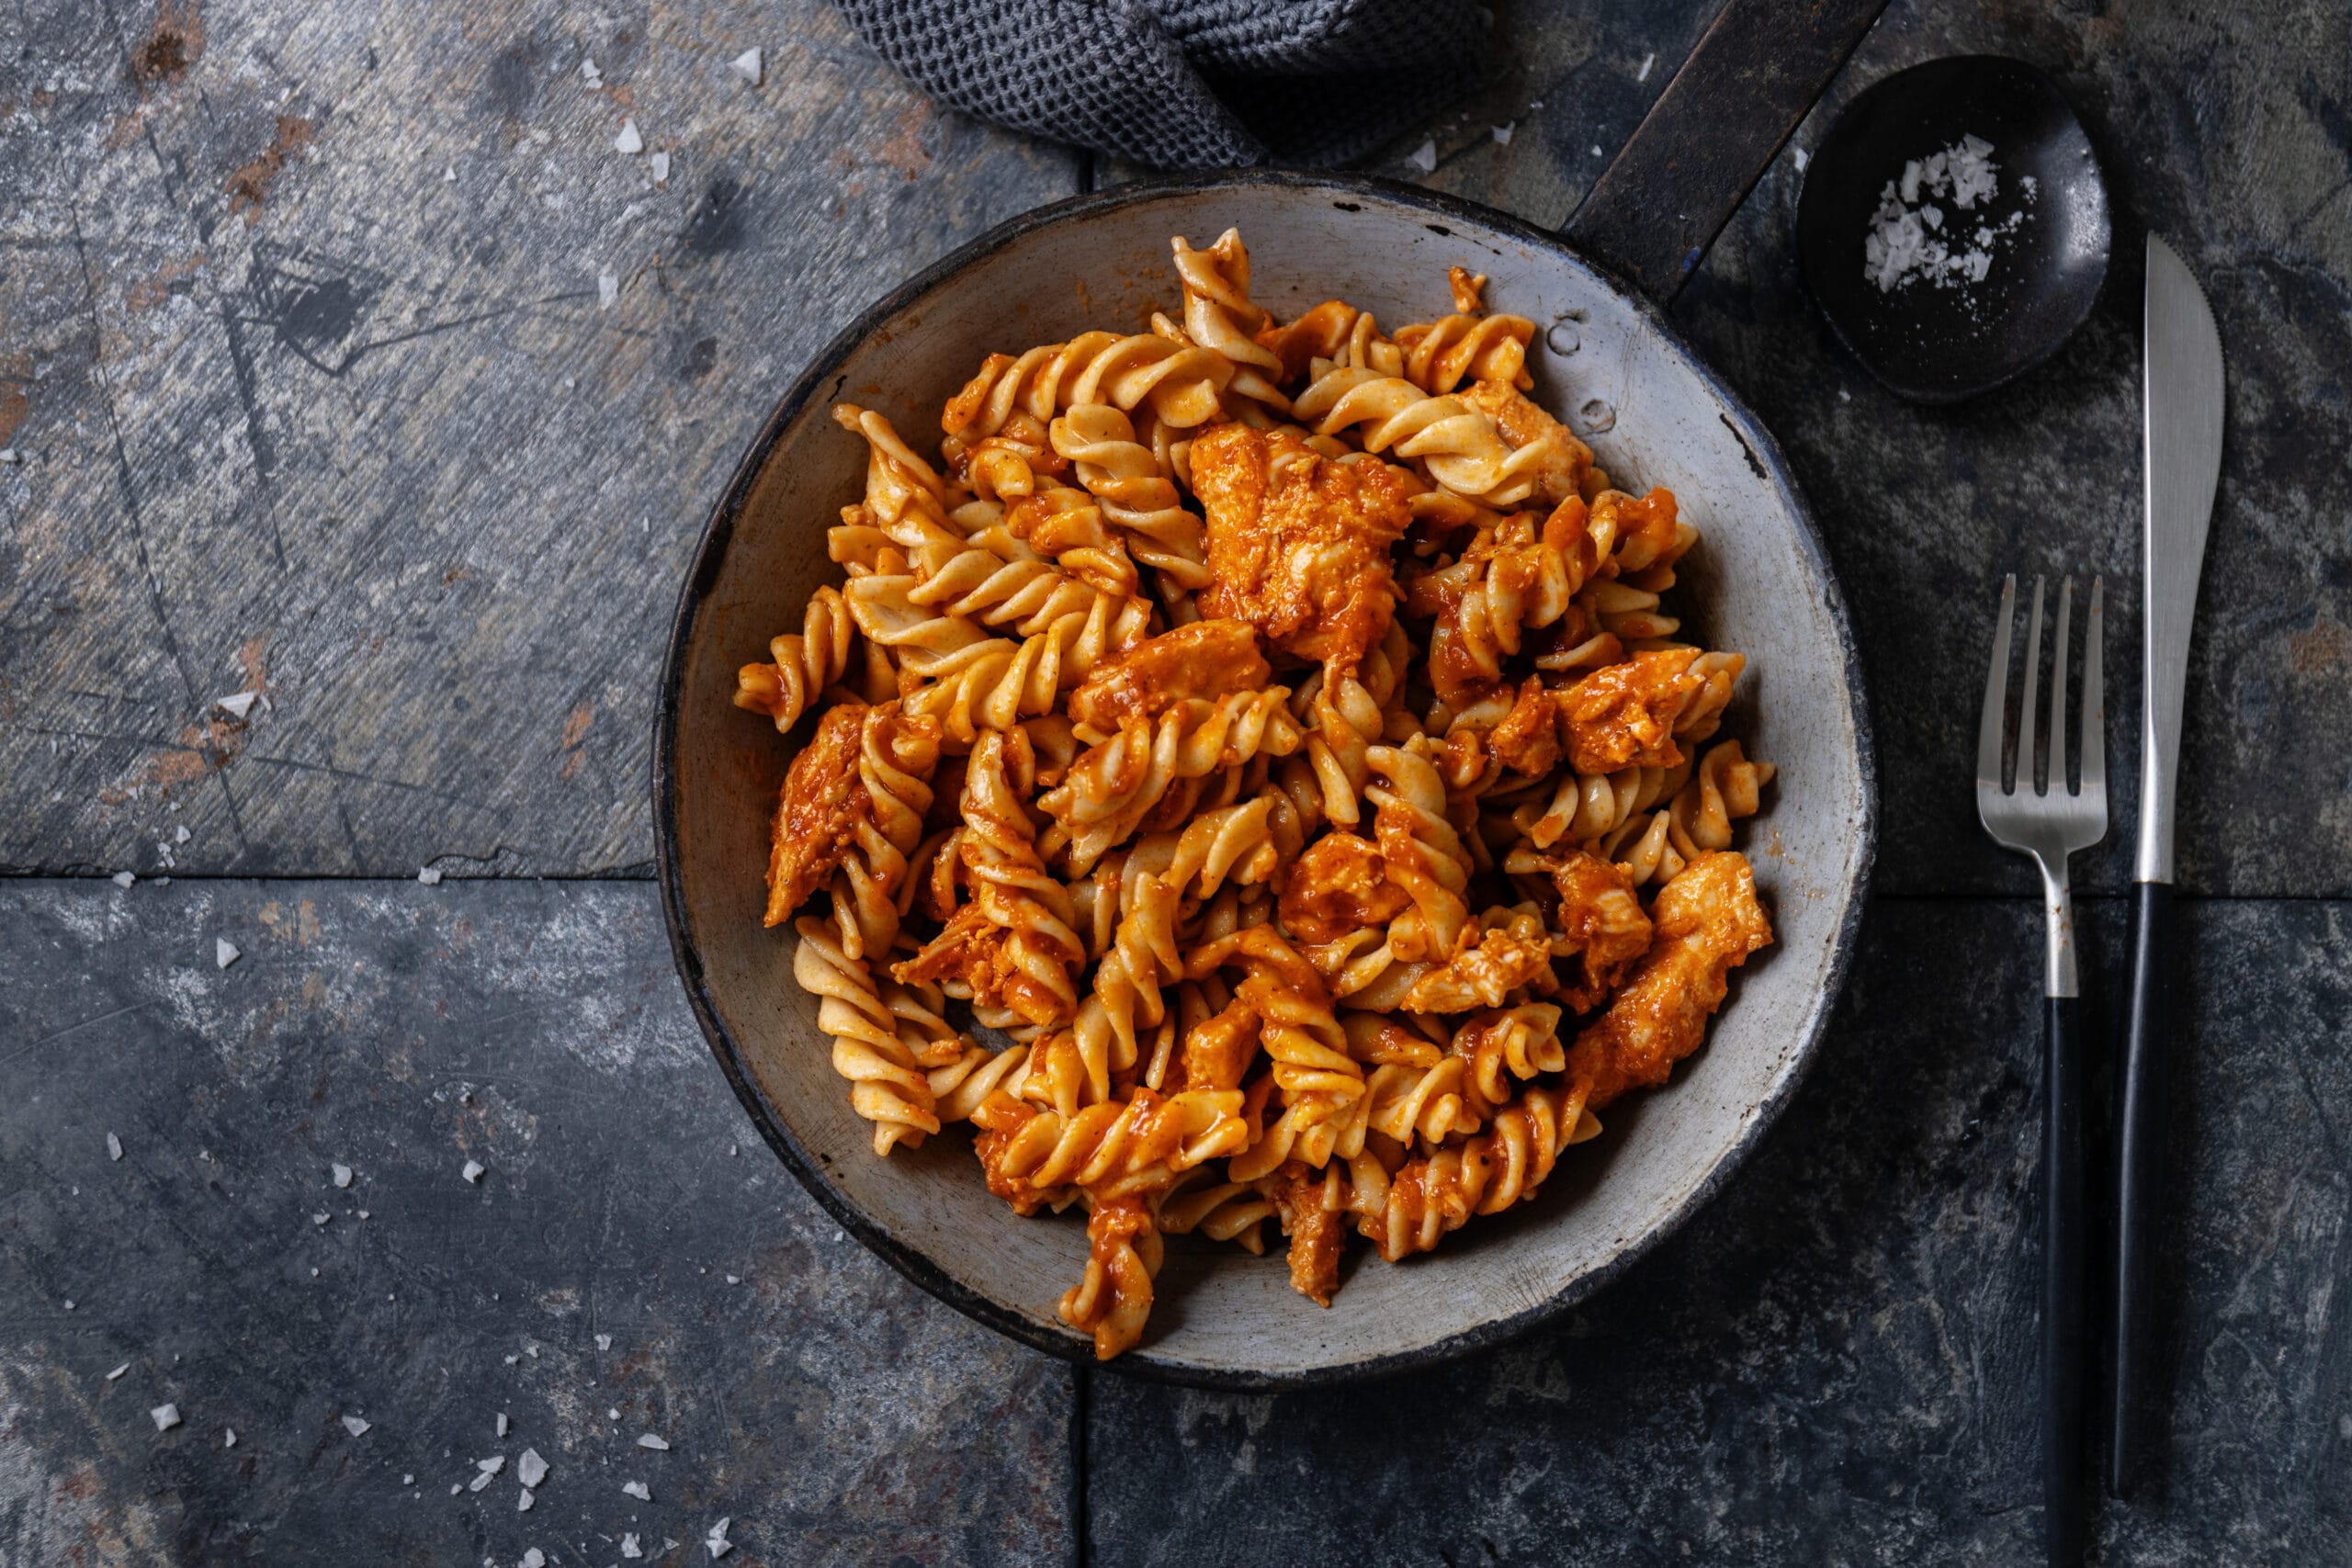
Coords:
pixel 117 1372
pixel 114 1146
pixel 472 1170
pixel 228 1436
pixel 650 1441
pixel 69 1304
pixel 734 1149
pixel 1844 396
pixel 10 455
pixel 479 1482
pixel 608 288
pixel 589 74
pixel 224 953
pixel 1424 157
pixel 510 1359
pixel 320 1219
pixel 747 65
pixel 1502 133
pixel 455 1488
pixel 661 166
pixel 523 1500
pixel 531 1468
pixel 430 876
pixel 604 1342
pixel 532 1351
pixel 716 1542
pixel 125 878
pixel 449 176
pixel 238 705
pixel 628 140
pixel 733 1280
pixel 630 1549
pixel 1643 73
pixel 534 1558
pixel 1804 158
pixel 180 835
pixel 502 1423
pixel 341 1173
pixel 639 1490
pixel 165 1416
pixel 356 1426
pixel 1596 150
pixel 492 1465
pixel 408 1480
pixel 612 1413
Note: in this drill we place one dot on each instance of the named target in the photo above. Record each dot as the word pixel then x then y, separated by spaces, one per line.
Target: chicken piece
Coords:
pixel 976 954
pixel 1484 976
pixel 1600 914
pixel 1207 659
pixel 1297 543
pixel 1708 923
pixel 1339 885
pixel 1621 716
pixel 1312 1215
pixel 1320 333
pixel 1567 461
pixel 1217 1050
pixel 1528 739
pixel 818 816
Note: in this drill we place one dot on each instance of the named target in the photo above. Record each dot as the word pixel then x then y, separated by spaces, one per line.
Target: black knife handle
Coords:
pixel 2147 1074
pixel 2061 1281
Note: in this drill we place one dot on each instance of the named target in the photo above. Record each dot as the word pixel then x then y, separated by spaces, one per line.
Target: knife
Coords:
pixel 2181 401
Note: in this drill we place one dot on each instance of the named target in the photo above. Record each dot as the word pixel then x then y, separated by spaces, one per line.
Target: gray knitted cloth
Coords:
pixel 1189 84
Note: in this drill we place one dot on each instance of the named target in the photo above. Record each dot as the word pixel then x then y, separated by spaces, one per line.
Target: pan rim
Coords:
pixel 918 1267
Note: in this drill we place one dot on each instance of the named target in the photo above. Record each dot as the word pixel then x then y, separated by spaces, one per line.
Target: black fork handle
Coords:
pixel 2140 1172
pixel 2062 1282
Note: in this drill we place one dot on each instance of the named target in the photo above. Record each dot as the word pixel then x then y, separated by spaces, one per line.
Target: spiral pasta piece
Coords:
pixel 1440 356
pixel 1422 851
pixel 1014 891
pixel 1114 786
pixel 804 662
pixel 1137 496
pixel 1505 1165
pixel 887 1085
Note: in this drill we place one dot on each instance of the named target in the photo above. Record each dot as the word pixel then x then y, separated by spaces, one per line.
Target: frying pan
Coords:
pixel 1606 358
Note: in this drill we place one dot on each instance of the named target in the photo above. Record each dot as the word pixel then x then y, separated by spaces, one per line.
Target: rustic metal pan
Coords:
pixel 1760 583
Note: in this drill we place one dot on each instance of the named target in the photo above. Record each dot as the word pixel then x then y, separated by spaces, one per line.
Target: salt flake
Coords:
pixel 650 1441
pixel 492 1465
pixel 1643 73
pixel 341 1173
pixel 224 953
pixel 531 1468
pixel 630 1549
pixel 114 1146
pixel 180 835
pixel 523 1500
pixel 608 288
pixel 502 1423
pixel 238 705
pixel 628 140
pixel 1424 157
pixel 125 878
pixel 747 65
pixel 228 1436
pixel 534 1558
pixel 355 1426
pixel 604 1342
pixel 472 1170
pixel 320 1218
pixel 716 1542
pixel 117 1372
pixel 165 1416
pixel 639 1490
pixel 430 876
pixel 661 166
pixel 1502 133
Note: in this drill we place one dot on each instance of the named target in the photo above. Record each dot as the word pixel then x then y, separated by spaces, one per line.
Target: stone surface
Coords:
pixel 300 415
pixel 1837 1362
pixel 837 1413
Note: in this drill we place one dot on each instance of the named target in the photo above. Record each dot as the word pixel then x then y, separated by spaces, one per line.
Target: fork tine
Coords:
pixel 1996 684
pixel 2094 741
pixel 2058 688
pixel 2028 781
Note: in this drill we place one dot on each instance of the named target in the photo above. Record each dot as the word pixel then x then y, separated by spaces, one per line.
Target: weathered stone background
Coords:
pixel 302 351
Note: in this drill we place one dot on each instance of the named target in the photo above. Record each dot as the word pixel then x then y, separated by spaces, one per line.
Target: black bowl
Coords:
pixel 1936 344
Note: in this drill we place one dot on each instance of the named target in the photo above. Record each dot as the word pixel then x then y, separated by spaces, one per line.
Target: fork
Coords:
pixel 2045 819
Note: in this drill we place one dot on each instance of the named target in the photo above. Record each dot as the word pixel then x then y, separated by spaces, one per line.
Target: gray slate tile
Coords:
pixel 839 1415
pixel 1837 1362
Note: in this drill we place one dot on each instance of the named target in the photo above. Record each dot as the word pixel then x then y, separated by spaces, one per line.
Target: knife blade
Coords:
pixel 2182 400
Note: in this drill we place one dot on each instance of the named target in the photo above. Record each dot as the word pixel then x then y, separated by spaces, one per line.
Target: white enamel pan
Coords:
pixel 1758 584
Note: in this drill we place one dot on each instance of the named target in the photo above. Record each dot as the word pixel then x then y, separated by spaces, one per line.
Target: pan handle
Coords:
pixel 1711 135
